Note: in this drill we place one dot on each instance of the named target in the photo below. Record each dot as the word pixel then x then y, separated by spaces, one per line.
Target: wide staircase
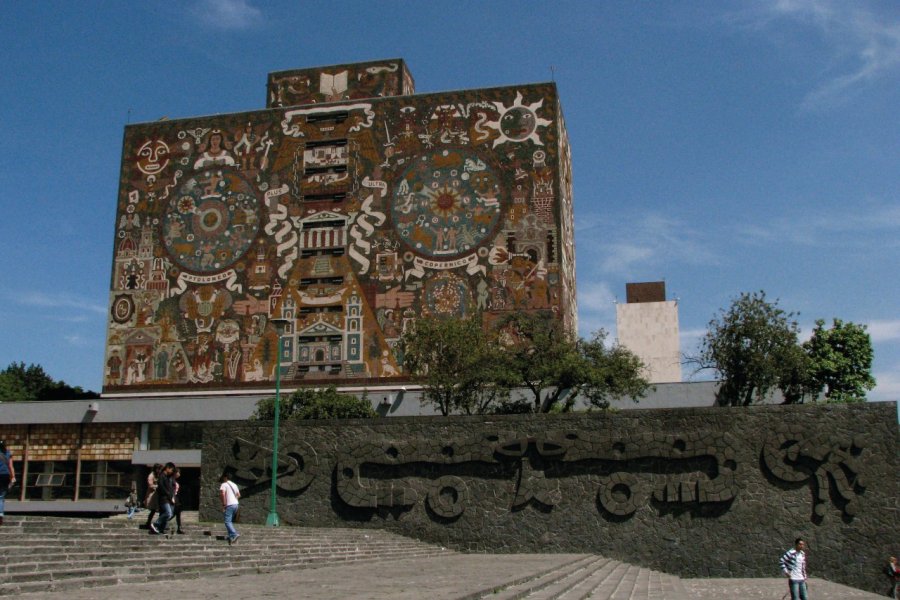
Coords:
pixel 50 554
pixel 40 554
pixel 593 577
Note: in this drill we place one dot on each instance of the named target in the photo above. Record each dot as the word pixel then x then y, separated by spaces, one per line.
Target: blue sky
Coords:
pixel 722 146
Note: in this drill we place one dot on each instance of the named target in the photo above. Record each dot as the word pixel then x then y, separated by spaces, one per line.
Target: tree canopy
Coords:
pixel 556 368
pixel 465 369
pixel 840 361
pixel 309 403
pixel 753 346
pixel 20 383
pixel 455 361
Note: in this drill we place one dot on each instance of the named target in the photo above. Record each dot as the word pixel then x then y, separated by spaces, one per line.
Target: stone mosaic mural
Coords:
pixel 348 219
pixel 701 492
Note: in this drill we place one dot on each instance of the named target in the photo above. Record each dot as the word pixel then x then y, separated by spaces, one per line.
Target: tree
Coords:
pixel 840 361
pixel 455 362
pixel 309 403
pixel 19 383
pixel 556 368
pixel 753 348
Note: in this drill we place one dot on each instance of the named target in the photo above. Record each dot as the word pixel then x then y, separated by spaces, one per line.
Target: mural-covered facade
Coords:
pixel 349 216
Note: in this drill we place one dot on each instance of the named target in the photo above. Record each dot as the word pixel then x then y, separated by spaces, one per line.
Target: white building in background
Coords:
pixel 647 324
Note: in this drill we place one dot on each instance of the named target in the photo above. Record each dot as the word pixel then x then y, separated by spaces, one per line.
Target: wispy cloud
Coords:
pixel 59 301
pixel 78 341
pixel 887 385
pixel 832 227
pixel 691 337
pixel 648 241
pixel 227 14
pixel 864 44
pixel 596 308
pixel 883 330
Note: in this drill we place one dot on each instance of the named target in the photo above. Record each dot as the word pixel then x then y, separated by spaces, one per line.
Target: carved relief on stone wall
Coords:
pixel 631 470
pixel 250 464
pixel 663 470
pixel 826 463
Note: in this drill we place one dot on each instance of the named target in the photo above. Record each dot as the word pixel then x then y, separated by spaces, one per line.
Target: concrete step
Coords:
pixel 522 588
pixel 54 554
pixel 101 580
pixel 595 578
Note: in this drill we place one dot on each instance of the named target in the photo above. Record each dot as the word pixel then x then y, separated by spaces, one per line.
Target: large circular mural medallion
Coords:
pixel 446 203
pixel 211 222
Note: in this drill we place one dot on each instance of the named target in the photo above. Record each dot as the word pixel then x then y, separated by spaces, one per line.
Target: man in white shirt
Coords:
pixel 793 565
pixel 229 494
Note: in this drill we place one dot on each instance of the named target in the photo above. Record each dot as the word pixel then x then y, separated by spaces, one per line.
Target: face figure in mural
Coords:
pixel 518 123
pixel 152 157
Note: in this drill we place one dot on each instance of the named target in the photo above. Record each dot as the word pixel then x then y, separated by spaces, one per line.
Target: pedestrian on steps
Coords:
pixel 7 476
pixel 229 494
pixel 150 500
pixel 165 495
pixel 177 504
pixel 131 502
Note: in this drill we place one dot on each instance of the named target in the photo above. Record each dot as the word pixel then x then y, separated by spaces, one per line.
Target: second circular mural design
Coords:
pixel 211 223
pixel 446 203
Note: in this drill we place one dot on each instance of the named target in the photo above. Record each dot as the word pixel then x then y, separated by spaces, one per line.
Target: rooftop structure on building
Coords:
pixel 647 324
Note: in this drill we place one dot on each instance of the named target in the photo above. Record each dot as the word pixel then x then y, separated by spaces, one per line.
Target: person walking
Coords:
pixel 177 504
pixel 793 565
pixel 150 500
pixel 229 494
pixel 892 570
pixel 165 495
pixel 131 503
pixel 7 476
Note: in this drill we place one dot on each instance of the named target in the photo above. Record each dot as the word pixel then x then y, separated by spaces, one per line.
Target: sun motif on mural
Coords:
pixel 444 200
pixel 518 122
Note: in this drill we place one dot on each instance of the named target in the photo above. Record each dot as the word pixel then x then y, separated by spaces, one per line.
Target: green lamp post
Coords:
pixel 272 520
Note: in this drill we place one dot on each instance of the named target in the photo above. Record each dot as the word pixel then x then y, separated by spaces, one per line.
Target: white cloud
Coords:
pixel 887 385
pixel 227 14
pixel 648 241
pixel 60 301
pixel 691 336
pixel 596 308
pixel 883 330
pixel 78 341
pixel 839 228
pixel 864 44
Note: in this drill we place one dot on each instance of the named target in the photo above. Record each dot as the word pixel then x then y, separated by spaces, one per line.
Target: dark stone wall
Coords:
pixel 702 492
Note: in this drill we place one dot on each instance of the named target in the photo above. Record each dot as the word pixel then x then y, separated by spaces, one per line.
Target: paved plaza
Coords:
pixel 452 577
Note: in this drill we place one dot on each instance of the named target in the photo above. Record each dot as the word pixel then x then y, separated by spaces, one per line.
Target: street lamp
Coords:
pixel 272 520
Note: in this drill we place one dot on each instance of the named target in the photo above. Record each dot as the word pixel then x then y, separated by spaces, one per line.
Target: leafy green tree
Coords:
pixel 29 383
pixel 840 361
pixel 455 362
pixel 556 368
pixel 309 403
pixel 613 372
pixel 753 348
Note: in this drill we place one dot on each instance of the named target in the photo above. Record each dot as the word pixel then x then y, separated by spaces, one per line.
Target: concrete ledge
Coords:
pixel 65 506
pixel 182 458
